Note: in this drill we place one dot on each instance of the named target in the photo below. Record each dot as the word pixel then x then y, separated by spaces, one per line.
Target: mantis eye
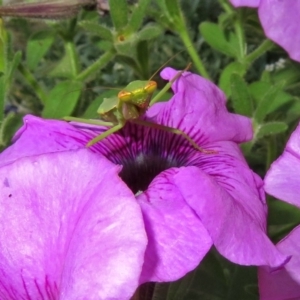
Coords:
pixel 125 96
pixel 151 87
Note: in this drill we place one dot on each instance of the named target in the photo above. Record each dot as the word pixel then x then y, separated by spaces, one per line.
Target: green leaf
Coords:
pixel 293 112
pixel 119 14
pixel 67 67
pixel 149 32
pixel 271 128
pixel 62 69
pixel 216 38
pixel 265 103
pixel 104 45
pixel 240 96
pixel 161 15
pixel 37 46
pixel 266 76
pixel 12 68
pixel 127 47
pixel 62 99
pixel 290 74
pixel 225 77
pixel 11 123
pixel 32 82
pixel 259 88
pixel 99 30
pixel 138 15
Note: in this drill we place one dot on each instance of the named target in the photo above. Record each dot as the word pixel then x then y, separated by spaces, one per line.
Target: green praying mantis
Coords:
pixel 130 105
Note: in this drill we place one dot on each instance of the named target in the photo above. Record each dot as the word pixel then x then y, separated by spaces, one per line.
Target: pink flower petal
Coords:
pixel 282 180
pixel 238 233
pixel 249 3
pixel 38 136
pixel 230 170
pixel 285 283
pixel 66 229
pixel 177 239
pixel 280 20
pixel 198 108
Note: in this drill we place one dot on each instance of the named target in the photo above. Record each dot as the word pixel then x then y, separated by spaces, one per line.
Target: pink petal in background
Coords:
pixel 280 22
pixel 283 284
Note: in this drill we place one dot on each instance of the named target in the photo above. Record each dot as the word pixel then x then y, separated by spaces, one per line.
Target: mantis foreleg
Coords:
pixel 173 130
pixel 105 134
pixel 99 123
pixel 87 121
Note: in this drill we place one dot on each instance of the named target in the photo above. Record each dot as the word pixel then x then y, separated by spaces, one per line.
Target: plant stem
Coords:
pixel 260 50
pixel 239 31
pixel 238 27
pixel 98 64
pixel 192 51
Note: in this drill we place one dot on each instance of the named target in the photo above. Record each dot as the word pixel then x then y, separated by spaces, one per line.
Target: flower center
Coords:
pixel 138 172
pixel 144 153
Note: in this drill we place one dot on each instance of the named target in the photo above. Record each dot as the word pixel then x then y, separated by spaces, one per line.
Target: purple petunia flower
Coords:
pixel 282 181
pixel 73 198
pixel 280 21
